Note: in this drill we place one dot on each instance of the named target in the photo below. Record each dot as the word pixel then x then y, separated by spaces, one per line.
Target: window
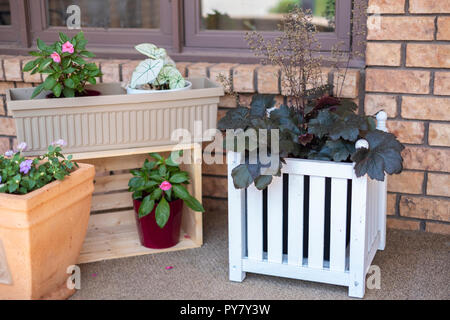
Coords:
pixel 190 29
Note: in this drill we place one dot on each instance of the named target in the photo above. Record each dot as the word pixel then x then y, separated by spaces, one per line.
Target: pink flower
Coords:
pixel 22 146
pixel 55 56
pixel 165 186
pixel 67 47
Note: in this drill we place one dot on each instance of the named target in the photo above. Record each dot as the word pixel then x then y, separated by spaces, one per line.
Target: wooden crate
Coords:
pixel 112 229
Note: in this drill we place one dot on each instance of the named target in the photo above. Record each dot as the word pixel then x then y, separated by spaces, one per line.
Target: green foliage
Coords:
pixel 159 182
pixel 158 72
pixel 67 72
pixel 328 131
pixel 19 175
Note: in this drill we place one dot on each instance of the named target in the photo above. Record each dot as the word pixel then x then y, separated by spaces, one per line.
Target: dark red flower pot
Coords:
pixel 154 237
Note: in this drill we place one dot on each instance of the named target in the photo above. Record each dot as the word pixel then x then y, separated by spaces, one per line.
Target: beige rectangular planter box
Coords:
pixel 41 235
pixel 113 120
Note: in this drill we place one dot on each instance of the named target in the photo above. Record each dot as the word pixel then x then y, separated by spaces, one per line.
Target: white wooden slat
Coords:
pixel 254 223
pixel 316 222
pixel 295 219
pixel 318 168
pixel 236 222
pixel 358 241
pixel 338 224
pixel 382 200
pixel 275 220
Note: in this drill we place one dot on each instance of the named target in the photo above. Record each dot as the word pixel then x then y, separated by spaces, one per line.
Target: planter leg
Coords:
pixel 382 191
pixel 357 288
pixel 236 222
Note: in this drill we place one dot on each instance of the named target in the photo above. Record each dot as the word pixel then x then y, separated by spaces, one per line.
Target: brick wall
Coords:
pixel 424 164
pixel 408 75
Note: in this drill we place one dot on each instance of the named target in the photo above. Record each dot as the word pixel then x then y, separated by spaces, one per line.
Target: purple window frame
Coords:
pixel 197 38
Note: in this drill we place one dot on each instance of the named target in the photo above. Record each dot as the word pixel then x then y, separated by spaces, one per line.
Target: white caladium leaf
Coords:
pixel 169 61
pixel 146 72
pixel 151 51
pixel 170 74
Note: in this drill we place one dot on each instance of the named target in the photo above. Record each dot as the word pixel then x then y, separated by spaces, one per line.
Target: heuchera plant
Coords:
pixel 67 72
pixel 156 73
pixel 315 125
pixel 19 175
pixel 158 183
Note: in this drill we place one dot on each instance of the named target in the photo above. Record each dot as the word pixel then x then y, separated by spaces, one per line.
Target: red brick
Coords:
pixel 182 67
pixel 438 184
pixel 442 83
pixel 243 78
pixel 268 79
pixel 222 70
pixel 428 55
pixel 383 54
pixel 7 127
pixel 443 28
pixel 198 70
pixel 228 101
pixel 110 70
pixel 407 131
pixel 439 134
pixel 426 108
pixel 12 68
pixel 431 159
pixel 376 102
pixel 391 203
pixel 350 87
pixel 2 106
pixel 401 81
pixel 425 208
pixel 128 69
pixel 429 6
pixel 406 182
pixel 402 224
pixel 402 28
pixel 435 227
pixel 386 6
pixel 4 145
pixel 4 86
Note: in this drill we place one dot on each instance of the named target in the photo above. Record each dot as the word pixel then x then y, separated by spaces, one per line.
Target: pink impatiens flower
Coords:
pixel 56 57
pixel 165 186
pixel 67 47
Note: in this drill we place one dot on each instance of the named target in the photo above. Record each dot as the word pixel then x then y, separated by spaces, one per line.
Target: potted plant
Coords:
pixel 323 179
pixel 44 212
pixel 95 117
pixel 159 193
pixel 67 73
pixel 157 73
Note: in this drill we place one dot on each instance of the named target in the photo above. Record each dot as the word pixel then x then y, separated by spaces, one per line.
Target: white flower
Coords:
pixel 22 146
pixel 9 153
pixel 60 143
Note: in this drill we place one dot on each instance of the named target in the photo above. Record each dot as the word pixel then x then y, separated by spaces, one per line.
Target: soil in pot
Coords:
pixel 86 93
pixel 154 237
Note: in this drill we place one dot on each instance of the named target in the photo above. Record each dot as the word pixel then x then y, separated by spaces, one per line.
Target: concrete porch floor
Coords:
pixel 414 265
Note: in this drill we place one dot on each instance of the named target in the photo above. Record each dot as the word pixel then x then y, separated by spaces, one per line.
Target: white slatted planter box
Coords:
pixel 318 222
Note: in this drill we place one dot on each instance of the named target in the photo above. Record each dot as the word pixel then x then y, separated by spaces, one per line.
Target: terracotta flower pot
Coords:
pixel 154 237
pixel 41 235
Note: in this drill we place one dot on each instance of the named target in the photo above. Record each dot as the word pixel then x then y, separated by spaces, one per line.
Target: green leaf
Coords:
pixel 181 192
pixel 41 45
pixel 78 60
pixel 242 177
pixel 49 83
pixel 194 204
pixel 136 182
pixel 156 194
pixel 37 90
pixel 69 83
pixel 30 65
pixel 260 103
pixel 63 37
pixel 46 63
pixel 237 118
pixel 57 89
pixel 87 54
pixel 156 156
pixel 146 72
pixel 263 181
pixel 383 155
pixel 179 177
pixel 146 207
pixel 340 150
pixel 68 92
pixel 162 213
pixel 92 80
